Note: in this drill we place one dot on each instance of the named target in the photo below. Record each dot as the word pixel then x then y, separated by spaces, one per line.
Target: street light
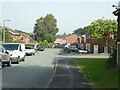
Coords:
pixel 4 29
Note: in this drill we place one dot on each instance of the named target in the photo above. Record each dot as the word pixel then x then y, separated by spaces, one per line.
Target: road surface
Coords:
pixel 35 72
pixel 45 69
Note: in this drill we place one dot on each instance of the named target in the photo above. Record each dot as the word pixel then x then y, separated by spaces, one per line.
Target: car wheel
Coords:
pixel 33 53
pixel 23 59
pixel 9 63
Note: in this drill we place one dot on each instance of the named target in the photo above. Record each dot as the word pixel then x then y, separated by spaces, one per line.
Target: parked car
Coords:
pixel 29 50
pixel 41 48
pixel 73 48
pixel 16 51
pixel 4 57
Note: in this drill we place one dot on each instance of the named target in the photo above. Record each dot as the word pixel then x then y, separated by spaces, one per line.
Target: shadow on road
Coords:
pixel 31 76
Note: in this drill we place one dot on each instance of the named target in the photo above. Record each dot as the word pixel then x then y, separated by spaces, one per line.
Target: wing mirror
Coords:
pixel 6 52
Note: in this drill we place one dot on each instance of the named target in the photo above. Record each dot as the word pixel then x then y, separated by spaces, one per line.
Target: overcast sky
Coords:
pixel 70 15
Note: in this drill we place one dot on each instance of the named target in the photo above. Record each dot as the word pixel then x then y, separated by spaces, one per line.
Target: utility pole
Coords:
pixel 4 30
pixel 117 13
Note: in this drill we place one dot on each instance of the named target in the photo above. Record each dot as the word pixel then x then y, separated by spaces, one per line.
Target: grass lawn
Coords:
pixel 97 72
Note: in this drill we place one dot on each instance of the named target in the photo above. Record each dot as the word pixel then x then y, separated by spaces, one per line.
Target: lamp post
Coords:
pixel 117 13
pixel 4 29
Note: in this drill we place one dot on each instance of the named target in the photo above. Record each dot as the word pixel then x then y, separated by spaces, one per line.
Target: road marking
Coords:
pixel 55 66
pixel 63 75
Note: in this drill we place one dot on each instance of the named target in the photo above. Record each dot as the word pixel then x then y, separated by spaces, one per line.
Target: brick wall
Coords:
pixel 72 39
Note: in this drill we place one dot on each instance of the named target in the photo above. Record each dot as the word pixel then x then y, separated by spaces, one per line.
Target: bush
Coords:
pixel 29 45
pixel 16 41
pixel 44 43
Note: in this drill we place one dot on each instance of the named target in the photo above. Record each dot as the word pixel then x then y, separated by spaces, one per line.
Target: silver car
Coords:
pixel 4 57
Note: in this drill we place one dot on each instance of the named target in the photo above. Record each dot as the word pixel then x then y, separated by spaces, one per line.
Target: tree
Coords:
pixel 7 36
pixel 80 31
pixel 102 28
pixel 46 28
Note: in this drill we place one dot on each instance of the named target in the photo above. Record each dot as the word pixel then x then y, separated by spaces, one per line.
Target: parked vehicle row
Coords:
pixel 29 50
pixel 11 53
pixel 16 51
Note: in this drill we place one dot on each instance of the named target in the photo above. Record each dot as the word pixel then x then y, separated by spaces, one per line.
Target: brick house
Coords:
pixel 23 37
pixel 14 35
pixel 88 43
pixel 60 41
pixel 73 39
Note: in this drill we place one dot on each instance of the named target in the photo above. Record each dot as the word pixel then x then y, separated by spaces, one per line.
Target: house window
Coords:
pixel 21 38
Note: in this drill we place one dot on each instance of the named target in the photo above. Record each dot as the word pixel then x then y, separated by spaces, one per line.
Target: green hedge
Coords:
pixel 29 45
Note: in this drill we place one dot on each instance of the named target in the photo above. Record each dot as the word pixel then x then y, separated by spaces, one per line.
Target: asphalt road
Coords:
pixel 67 75
pixel 45 69
pixel 35 72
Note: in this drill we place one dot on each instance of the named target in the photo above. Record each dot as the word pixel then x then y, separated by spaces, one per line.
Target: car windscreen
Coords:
pixel 10 46
pixel 28 47
pixel 41 47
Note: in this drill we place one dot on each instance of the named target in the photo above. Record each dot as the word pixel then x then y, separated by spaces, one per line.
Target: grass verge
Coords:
pixel 97 72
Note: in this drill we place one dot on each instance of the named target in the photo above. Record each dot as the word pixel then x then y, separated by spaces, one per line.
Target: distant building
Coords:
pixel 60 41
pixel 73 39
pixel 23 37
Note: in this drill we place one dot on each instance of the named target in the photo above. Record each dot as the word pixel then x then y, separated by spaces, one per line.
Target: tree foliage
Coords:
pixel 46 28
pixel 80 31
pixel 102 28
pixel 17 41
pixel 7 36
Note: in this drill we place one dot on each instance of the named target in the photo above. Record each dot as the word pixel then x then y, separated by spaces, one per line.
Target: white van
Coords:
pixel 16 51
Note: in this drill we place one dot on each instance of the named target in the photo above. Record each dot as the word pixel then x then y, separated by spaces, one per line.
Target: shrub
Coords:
pixel 29 45
pixel 16 41
pixel 44 43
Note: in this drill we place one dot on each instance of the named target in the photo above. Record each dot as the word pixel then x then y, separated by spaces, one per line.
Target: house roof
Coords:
pixel 14 32
pixel 73 34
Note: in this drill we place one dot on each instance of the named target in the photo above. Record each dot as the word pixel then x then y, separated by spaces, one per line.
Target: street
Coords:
pixel 46 69
pixel 35 72
pixel 67 75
